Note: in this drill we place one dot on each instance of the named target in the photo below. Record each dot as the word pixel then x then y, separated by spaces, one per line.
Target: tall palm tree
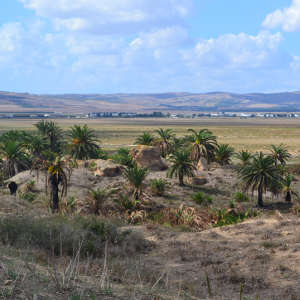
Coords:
pixel 146 139
pixel 244 157
pixel 260 174
pixel 14 158
pixel 36 145
pixel 164 140
pixel 52 132
pixel 182 165
pixel 204 145
pixel 136 176
pixel 83 142
pixel 223 154
pixel 280 154
pixel 58 177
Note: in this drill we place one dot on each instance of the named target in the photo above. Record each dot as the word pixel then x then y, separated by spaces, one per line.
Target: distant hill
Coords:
pixel 217 101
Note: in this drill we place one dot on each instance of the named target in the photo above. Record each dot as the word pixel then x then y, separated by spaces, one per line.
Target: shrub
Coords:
pixel 123 157
pixel 240 197
pixel 62 236
pixel 29 187
pixel 202 199
pixel 232 204
pixel 29 196
pixel 158 186
pixel 229 217
pixel 125 202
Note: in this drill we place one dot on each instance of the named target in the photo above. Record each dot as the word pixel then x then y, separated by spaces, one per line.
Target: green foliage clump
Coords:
pixel 202 199
pixel 123 157
pixel 240 197
pixel 158 186
pixel 228 217
pixel 126 202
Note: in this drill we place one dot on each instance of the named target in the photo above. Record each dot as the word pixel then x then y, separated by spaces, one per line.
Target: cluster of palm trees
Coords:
pixel 46 150
pixel 258 172
pixel 49 150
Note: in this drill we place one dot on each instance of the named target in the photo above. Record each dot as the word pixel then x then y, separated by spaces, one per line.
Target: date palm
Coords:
pixel 14 157
pixel 244 157
pixel 287 187
pixel 204 145
pixel 182 165
pixel 260 175
pixel 52 132
pixel 280 154
pixel 223 154
pixel 83 142
pixel 164 140
pixel 58 177
pixel 146 139
pixel 136 176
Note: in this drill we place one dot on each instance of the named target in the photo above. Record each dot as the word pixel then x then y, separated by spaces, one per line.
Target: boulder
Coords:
pixel 107 168
pixel 149 157
pixel 198 180
pixel 202 165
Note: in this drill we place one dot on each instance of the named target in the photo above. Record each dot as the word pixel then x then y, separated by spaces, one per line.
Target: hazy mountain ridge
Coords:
pixel 214 101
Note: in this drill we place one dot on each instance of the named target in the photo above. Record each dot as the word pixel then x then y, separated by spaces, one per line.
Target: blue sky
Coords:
pixel 112 46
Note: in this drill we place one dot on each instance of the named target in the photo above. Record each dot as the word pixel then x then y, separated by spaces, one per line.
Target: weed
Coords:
pixel 240 197
pixel 202 199
pixel 158 186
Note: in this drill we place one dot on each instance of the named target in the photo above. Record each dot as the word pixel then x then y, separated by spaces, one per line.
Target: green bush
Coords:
pixel 126 202
pixel 158 186
pixel 29 196
pixel 123 157
pixel 229 217
pixel 62 236
pixel 240 197
pixel 202 199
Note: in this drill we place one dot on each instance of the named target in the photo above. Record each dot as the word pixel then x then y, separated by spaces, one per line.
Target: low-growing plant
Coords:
pixel 123 157
pixel 29 187
pixel 158 186
pixel 62 236
pixel 92 166
pixel 28 196
pixel 228 217
pixel 97 199
pixel 202 199
pixel 240 197
pixel 126 202
pixel 232 203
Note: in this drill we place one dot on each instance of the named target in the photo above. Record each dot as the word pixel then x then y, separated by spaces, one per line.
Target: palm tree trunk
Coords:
pixel 288 197
pixel 54 194
pixel 260 202
pixel 180 177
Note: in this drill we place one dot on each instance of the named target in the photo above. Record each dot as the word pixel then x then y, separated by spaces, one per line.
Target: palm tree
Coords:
pixel 145 139
pixel 223 154
pixel 244 156
pixel 59 175
pixel 36 145
pixel 83 142
pixel 52 132
pixel 287 187
pixel 260 174
pixel 136 176
pixel 182 165
pixel 14 157
pixel 164 140
pixel 204 145
pixel 280 154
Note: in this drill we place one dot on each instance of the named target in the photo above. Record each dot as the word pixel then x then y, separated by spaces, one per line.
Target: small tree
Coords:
pixel 244 157
pixel 280 154
pixel 287 188
pixel 182 165
pixel 223 154
pixel 146 139
pixel 260 174
pixel 136 176
pixel 164 140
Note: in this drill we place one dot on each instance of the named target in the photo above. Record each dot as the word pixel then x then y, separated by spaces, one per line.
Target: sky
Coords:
pixel 149 46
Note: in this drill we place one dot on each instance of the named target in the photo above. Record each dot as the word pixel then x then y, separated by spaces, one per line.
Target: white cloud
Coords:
pixel 288 18
pixel 107 16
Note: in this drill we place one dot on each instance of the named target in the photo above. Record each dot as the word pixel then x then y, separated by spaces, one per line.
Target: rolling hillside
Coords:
pixel 217 101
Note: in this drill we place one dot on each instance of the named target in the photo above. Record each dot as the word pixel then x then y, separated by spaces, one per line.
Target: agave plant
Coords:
pixel 223 154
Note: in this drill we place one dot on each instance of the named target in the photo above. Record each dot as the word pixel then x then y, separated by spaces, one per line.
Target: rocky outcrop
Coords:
pixel 107 168
pixel 202 165
pixel 149 157
pixel 198 180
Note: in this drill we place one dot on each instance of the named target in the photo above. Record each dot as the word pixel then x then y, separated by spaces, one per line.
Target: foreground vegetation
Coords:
pixel 101 229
